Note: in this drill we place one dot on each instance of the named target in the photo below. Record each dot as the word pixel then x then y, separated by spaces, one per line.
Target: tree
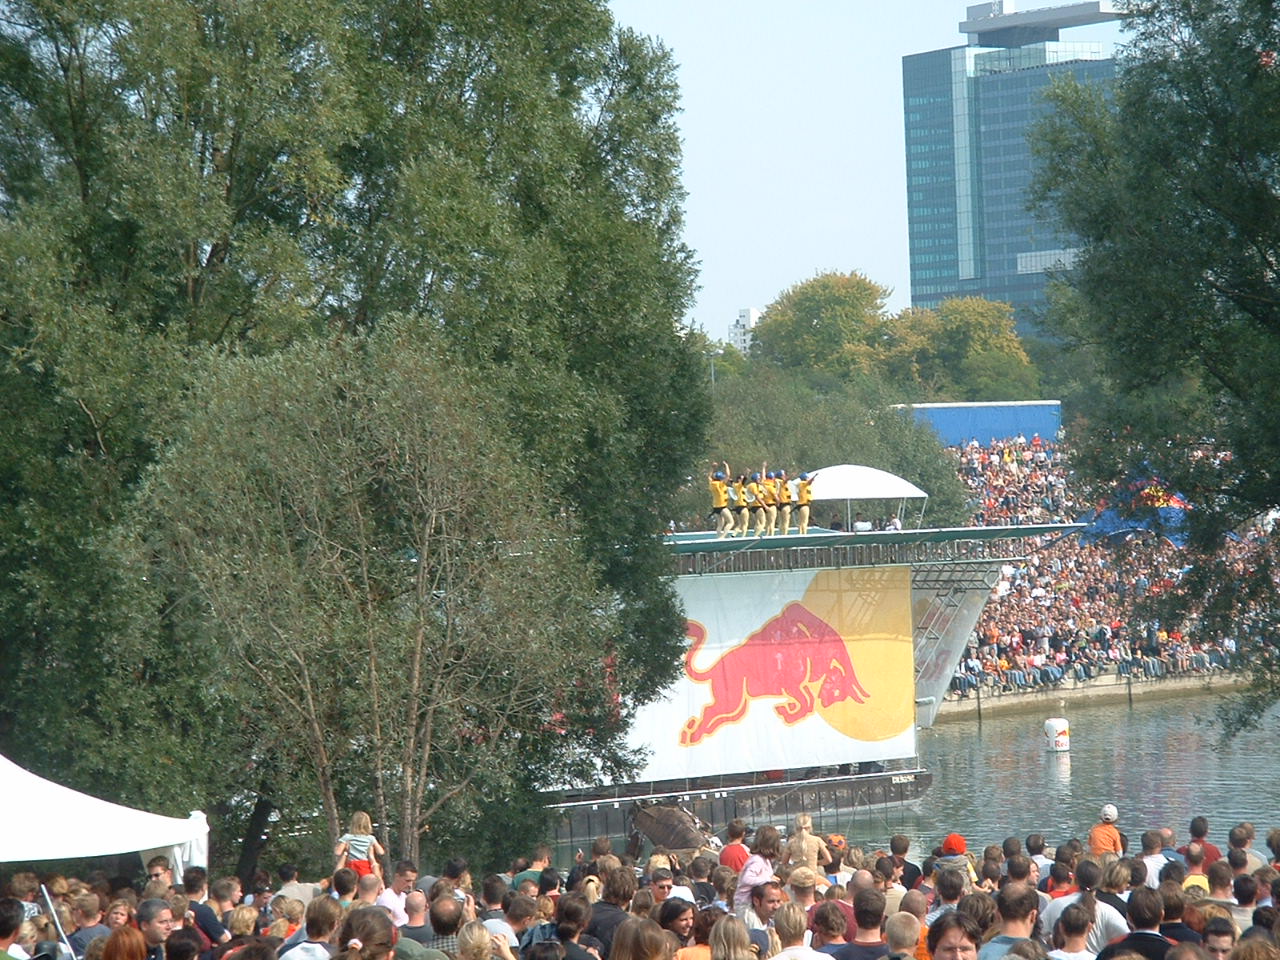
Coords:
pixel 1170 186
pixel 192 177
pixel 1171 189
pixel 351 525
pixel 825 323
pixel 130 238
pixel 966 349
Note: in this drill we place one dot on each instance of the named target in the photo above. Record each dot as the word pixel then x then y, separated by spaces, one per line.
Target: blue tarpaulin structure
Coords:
pixel 1171 522
pixel 1141 504
pixel 958 423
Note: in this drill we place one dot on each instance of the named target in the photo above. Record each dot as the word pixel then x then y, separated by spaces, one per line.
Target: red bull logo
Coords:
pixel 796 656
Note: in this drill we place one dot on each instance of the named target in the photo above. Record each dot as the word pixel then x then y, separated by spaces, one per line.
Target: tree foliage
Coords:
pixel 966 349
pixel 826 323
pixel 836 325
pixel 1172 189
pixel 193 177
pixel 354 529
pixel 1170 184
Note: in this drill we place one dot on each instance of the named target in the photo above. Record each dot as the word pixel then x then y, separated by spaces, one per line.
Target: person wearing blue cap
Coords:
pixel 718 482
pixel 784 502
pixel 769 497
pixel 804 497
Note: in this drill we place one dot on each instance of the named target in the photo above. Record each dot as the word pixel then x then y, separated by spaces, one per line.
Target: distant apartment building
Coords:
pixel 968 110
pixel 740 331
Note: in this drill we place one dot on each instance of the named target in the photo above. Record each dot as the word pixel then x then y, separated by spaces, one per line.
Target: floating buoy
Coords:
pixel 1057 734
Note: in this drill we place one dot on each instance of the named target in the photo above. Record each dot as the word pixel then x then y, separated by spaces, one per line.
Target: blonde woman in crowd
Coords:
pixel 804 849
pixel 476 942
pixel 243 921
pixel 638 939
pixel 729 940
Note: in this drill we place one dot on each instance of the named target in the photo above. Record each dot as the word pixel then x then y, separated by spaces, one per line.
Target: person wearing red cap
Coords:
pixel 955 857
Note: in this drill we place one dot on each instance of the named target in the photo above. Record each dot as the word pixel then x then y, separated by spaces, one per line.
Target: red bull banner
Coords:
pixel 792 669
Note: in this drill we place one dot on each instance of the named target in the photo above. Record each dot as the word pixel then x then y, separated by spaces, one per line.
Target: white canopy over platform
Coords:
pixel 47 821
pixel 847 481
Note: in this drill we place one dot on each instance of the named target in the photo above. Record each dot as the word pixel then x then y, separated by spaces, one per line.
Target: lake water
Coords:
pixel 1160 762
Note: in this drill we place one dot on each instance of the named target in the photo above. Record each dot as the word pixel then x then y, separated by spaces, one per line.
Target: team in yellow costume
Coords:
pixel 766 497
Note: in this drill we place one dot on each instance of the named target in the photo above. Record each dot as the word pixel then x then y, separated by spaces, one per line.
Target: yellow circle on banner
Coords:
pixel 871 610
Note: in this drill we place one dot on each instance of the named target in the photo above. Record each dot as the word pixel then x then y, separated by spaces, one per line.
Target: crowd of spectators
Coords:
pixel 805 896
pixel 1068 611
pixel 1016 481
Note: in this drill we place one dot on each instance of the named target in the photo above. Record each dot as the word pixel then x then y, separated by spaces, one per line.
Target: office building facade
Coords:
pixel 967 113
pixel 742 330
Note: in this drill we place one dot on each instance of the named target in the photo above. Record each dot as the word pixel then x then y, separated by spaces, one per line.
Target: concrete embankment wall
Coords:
pixel 1108 688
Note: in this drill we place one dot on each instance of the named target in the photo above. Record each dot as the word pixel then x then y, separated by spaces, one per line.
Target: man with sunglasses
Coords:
pixel 661 882
pixel 664 886
pixel 158 869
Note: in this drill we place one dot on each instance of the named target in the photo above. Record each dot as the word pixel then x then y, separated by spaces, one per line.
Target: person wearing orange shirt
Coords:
pixel 1104 837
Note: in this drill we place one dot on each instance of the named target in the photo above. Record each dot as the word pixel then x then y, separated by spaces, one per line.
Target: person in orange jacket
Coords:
pixel 1104 837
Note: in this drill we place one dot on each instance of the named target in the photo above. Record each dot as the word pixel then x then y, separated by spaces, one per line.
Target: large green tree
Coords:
pixel 405 627
pixel 189 176
pixel 826 323
pixel 1170 185
pixel 129 239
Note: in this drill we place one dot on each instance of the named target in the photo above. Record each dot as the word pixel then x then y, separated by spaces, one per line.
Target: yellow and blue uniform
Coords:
pixel 784 502
pixel 744 508
pixel 770 485
pixel 720 503
pixel 804 497
pixel 755 497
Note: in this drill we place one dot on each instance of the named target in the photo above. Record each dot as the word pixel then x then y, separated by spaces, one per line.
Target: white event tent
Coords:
pixel 47 821
pixel 849 482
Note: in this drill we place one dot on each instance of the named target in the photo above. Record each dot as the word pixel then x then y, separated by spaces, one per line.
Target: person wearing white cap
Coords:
pixel 1104 837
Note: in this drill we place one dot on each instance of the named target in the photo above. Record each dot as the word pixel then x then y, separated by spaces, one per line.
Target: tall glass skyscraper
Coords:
pixel 967 111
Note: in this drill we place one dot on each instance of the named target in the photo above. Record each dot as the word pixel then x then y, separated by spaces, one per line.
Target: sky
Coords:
pixel 793 143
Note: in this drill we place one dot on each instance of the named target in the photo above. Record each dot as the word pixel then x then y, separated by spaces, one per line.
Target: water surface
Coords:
pixel 1160 762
